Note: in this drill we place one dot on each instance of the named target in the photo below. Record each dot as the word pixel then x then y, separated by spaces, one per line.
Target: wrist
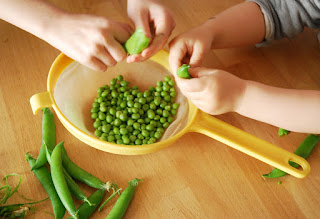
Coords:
pixel 241 92
pixel 209 28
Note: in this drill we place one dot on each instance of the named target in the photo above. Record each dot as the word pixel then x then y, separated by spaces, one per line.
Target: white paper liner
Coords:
pixel 77 87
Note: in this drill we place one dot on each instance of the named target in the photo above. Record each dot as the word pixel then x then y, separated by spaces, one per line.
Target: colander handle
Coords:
pixel 40 101
pixel 249 144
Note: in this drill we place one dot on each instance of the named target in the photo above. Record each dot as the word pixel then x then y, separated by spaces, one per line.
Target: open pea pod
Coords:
pixel 137 42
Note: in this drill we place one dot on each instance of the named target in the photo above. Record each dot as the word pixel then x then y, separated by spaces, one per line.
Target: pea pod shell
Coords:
pixel 85 210
pixel 59 180
pixel 137 42
pixel 45 179
pixel 120 207
pixel 282 132
pixel 48 137
pixel 303 151
pixel 78 173
pixel 183 72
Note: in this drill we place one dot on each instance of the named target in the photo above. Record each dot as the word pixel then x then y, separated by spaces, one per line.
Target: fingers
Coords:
pixel 199 72
pixel 178 51
pixel 96 65
pixel 197 55
pixel 116 50
pixel 142 20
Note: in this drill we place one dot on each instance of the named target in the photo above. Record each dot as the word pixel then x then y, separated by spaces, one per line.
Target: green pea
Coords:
pixel 123 131
pixel 145 107
pixel 158 89
pixel 130 129
pixel 141 112
pixel 137 42
pixel 142 100
pixel 138 142
pixel 152 89
pixel 96 124
pixel 124 83
pixel 103 138
pixel 95 110
pixel 170 119
pixel 141 121
pixel 116 130
pixel 143 126
pixel 119 141
pixel 117 122
pixel 119 77
pixel 163 120
pixel 98 133
pixel 157 135
pixel 145 141
pixel 126 140
pixel 135 116
pixel 137 105
pixel 145 133
pixel 136 132
pixel 147 120
pixel 160 130
pixel 165 113
pixel 95 105
pixel 135 110
pixel 157 101
pixel 112 111
pixel 140 136
pixel 113 81
pixel 149 127
pixel 156 117
pixel 106 128
pixel 171 83
pixel 111 138
pixel 136 125
pixel 132 138
pixel 173 94
pixel 152 106
pixel 123 117
pixel 130 103
pixel 157 94
pixel 175 106
pixel 174 112
pixel 109 118
pixel 94 115
pixel 165 88
pixel 130 122
pixel 166 125
pixel 102 116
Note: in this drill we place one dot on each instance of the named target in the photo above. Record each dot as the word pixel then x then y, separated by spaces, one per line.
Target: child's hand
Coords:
pixel 190 47
pixel 91 40
pixel 213 91
pixel 156 21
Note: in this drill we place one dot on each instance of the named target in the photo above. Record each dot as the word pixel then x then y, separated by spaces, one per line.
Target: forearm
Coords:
pixel 33 16
pixel 294 110
pixel 240 25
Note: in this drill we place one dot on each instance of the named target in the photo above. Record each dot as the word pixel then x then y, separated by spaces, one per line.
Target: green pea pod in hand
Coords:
pixel 48 137
pixel 303 150
pixel 85 210
pixel 183 72
pixel 137 42
pixel 59 180
pixel 45 179
pixel 120 207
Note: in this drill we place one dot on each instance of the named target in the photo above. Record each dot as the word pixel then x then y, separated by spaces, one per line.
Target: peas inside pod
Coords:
pixel 126 115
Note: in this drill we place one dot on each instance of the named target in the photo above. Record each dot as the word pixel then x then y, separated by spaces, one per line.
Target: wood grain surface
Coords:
pixel 197 177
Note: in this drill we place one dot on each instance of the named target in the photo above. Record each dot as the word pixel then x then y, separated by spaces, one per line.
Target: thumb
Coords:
pixel 142 20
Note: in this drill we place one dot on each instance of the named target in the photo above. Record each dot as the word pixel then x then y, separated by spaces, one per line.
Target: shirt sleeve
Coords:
pixel 287 18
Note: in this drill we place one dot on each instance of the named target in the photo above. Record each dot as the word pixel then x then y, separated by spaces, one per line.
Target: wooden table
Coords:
pixel 197 177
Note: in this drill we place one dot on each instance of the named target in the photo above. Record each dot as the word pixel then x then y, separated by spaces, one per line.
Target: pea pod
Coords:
pixel 72 185
pixel 120 207
pixel 85 210
pixel 83 176
pixel 45 179
pixel 137 42
pixel 59 180
pixel 48 137
pixel 282 132
pixel 183 72
pixel 303 150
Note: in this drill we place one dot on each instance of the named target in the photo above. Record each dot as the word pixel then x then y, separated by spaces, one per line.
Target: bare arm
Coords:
pixel 294 110
pixel 91 40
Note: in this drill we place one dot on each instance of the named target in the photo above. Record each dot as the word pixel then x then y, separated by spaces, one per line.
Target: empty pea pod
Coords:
pixel 85 210
pixel 45 179
pixel 83 176
pixel 137 42
pixel 48 137
pixel 303 150
pixel 183 72
pixel 282 132
pixel 59 180
pixel 120 207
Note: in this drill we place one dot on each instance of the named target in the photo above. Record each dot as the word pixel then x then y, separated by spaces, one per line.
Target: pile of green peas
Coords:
pixel 126 115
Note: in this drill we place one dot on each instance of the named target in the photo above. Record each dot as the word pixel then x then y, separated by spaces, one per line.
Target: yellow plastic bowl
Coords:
pixel 198 121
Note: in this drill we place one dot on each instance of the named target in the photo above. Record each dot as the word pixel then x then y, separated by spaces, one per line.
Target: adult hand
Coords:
pixel 91 40
pixel 156 21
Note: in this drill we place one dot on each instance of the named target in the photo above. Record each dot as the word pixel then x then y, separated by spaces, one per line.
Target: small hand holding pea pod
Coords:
pixel 45 179
pixel 303 150
pixel 183 72
pixel 137 42
pixel 48 137
pixel 59 180
pixel 120 207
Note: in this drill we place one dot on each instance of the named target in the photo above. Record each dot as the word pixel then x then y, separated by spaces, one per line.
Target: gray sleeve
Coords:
pixel 287 18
